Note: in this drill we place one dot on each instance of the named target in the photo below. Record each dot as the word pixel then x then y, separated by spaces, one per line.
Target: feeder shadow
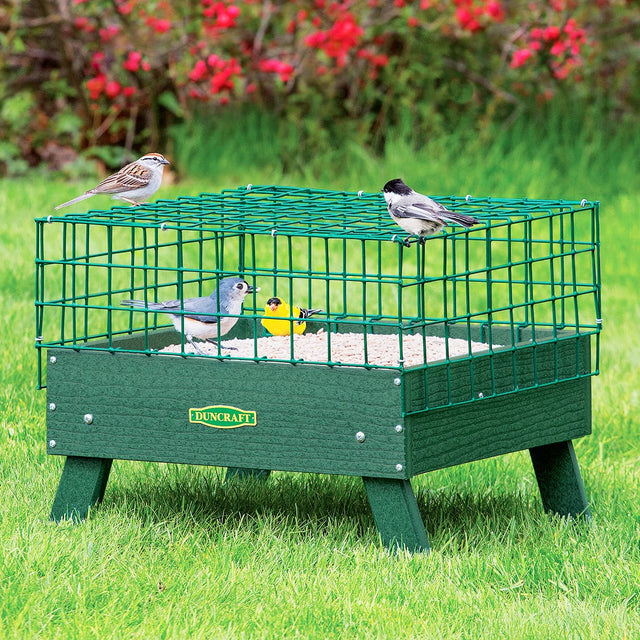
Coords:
pixel 314 504
pixel 310 501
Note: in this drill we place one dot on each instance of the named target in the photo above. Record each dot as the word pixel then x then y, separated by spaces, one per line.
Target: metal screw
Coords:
pixel 52 359
pixel 88 418
pixel 52 406
pixel 399 428
pixel 399 467
pixel 360 436
pixel 397 382
pixel 480 394
pixel 52 443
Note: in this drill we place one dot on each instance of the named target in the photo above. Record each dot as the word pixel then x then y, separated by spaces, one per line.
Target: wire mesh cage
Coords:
pixel 468 303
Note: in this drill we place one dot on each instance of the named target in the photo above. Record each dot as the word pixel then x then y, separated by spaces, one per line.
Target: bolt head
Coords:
pixel 399 428
pixel 52 406
pixel 52 360
pixel 399 467
pixel 52 443
pixel 360 437
pixel 397 382
pixel 88 418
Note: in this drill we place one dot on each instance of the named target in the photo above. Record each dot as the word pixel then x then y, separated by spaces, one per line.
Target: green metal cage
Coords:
pixel 527 274
pixel 513 304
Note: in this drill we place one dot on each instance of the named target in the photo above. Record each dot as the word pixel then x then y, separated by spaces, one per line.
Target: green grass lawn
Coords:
pixel 174 553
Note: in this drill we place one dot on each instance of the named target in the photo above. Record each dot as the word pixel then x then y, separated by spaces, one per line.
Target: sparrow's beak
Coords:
pixel 164 161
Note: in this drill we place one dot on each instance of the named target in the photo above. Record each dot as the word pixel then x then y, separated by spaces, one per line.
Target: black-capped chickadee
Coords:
pixel 418 214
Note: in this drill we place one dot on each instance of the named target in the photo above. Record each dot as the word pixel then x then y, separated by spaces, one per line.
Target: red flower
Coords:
pixel 466 19
pixel 96 60
pixel 84 24
pixel 159 25
pixel 132 63
pixel 339 39
pixel 495 10
pixel 112 89
pixel 124 8
pixel 551 33
pixel 96 86
pixel 520 57
pixel 109 33
pixel 199 71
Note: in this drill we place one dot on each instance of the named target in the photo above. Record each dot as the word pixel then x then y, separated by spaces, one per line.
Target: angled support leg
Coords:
pixel 240 473
pixel 81 486
pixel 559 480
pixel 396 514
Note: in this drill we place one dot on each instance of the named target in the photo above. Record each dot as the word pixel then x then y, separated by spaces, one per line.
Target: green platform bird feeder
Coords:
pixel 512 306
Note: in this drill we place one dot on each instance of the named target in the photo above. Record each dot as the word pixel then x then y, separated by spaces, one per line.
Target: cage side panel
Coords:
pixel 501 372
pixel 473 431
pixel 307 417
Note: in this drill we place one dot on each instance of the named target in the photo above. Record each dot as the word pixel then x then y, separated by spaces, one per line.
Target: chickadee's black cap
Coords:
pixel 397 186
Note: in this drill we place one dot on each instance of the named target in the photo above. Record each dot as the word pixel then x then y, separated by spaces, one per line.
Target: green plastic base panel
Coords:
pixel 341 421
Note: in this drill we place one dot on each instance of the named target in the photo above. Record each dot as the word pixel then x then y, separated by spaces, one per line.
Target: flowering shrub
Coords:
pixel 123 70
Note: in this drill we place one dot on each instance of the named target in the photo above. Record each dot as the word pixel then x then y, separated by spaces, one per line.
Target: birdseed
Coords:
pixel 344 348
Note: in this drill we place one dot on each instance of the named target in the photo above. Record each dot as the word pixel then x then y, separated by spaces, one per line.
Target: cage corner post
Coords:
pixel 559 480
pixel 396 514
pixel 82 486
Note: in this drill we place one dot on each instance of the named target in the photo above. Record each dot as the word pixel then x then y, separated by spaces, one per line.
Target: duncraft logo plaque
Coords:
pixel 223 417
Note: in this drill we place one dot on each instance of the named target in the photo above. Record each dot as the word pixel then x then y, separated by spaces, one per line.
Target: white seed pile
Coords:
pixel 348 348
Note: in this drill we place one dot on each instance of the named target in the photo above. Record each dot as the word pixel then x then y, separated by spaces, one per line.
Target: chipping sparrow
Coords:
pixel 133 183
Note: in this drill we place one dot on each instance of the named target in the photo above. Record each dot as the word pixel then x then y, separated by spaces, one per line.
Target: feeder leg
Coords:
pixel 81 486
pixel 240 473
pixel 396 514
pixel 559 480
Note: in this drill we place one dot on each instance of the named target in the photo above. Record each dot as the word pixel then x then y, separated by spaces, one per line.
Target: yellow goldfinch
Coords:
pixel 277 308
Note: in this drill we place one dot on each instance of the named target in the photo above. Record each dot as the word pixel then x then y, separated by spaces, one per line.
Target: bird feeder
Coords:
pixel 477 343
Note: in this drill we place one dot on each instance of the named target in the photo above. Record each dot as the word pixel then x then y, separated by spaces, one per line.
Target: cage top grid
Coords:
pixel 294 211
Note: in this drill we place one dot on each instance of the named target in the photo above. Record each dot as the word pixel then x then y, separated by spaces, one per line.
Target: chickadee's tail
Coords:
pixel 459 218
pixel 307 313
pixel 84 196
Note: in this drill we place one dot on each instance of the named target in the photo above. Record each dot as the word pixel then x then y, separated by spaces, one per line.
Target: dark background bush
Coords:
pixel 108 79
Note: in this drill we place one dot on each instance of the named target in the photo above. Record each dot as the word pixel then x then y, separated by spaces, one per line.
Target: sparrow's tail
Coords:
pixel 84 196
pixel 307 313
pixel 459 218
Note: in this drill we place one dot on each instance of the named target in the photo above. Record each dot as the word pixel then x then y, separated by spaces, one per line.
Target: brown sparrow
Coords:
pixel 133 183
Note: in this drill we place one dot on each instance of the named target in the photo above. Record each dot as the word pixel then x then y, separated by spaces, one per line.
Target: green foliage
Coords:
pixel 175 553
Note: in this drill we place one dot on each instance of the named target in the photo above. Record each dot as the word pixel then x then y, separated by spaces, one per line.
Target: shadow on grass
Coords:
pixel 312 504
